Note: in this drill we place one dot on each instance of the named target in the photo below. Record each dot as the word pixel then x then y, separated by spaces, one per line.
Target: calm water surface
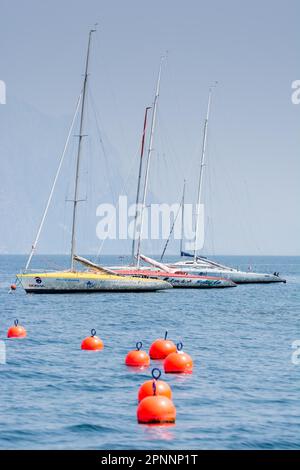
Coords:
pixel 244 392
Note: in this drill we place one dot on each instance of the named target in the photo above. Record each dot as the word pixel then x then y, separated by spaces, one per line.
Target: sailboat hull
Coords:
pixel 86 282
pixel 238 277
pixel 246 278
pixel 178 280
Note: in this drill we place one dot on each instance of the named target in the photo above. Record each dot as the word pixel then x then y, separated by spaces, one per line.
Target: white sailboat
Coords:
pixel 94 278
pixel 203 266
pixel 175 277
pixel 207 267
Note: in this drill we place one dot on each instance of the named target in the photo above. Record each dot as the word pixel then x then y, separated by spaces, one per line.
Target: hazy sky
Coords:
pixel 251 48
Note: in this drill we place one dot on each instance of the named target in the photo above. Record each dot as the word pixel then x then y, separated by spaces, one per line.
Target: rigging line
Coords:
pixel 166 143
pixel 53 185
pixel 194 157
pixel 113 99
pixel 215 163
pixel 123 189
pixel 93 185
pixel 192 162
pixel 211 224
pixel 182 218
pixel 188 169
pixel 87 181
pixel 86 161
pixel 210 217
pixel 172 228
pixel 176 99
pixel 51 264
pixel 97 120
pixel 69 169
pixel 164 134
pixel 161 175
pixel 66 194
pixel 63 226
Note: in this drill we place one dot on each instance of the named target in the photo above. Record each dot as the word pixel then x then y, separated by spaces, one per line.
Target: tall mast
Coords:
pixel 81 135
pixel 150 150
pixel 139 183
pixel 201 172
pixel 182 218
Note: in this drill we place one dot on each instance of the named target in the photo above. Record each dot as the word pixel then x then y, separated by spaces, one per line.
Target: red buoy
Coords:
pixel 161 348
pixel 13 287
pixel 137 357
pixel 156 409
pixel 162 388
pixel 92 343
pixel 178 362
pixel 16 331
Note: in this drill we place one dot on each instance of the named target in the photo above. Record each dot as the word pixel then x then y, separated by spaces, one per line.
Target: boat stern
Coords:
pixel 274 278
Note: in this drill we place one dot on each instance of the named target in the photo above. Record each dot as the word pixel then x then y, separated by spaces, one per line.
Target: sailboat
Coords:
pixel 94 278
pixel 157 270
pixel 200 265
pixel 174 276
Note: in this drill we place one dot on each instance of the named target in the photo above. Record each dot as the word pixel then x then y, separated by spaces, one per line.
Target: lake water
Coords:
pixel 244 392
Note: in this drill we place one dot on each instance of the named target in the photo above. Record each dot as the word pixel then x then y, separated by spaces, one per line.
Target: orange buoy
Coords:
pixel 178 362
pixel 13 287
pixel 156 409
pixel 137 357
pixel 16 331
pixel 161 348
pixel 162 388
pixel 92 343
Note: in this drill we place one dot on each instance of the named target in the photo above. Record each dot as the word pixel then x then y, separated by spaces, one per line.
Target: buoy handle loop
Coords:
pixel 179 346
pixel 166 334
pixel 156 373
pixel 139 345
pixel 16 322
pixel 93 332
